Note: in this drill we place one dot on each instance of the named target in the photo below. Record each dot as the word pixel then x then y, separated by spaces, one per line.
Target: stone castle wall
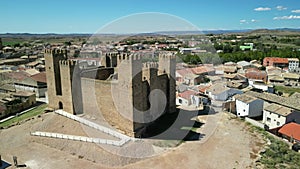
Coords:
pixel 141 93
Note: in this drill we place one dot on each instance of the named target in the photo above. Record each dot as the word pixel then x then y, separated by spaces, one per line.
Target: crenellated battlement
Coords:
pixel 135 56
pixel 55 51
pixel 67 63
pixel 150 65
pixel 167 55
pixel 48 51
pixel 123 56
pixel 112 54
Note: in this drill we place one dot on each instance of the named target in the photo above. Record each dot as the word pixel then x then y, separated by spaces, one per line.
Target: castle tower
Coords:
pixel 132 92
pixel 52 58
pixel 59 72
pixel 167 65
pixel 1 46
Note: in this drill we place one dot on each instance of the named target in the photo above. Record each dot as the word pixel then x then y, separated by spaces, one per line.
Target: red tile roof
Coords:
pixel 269 61
pixel 202 69
pixel 184 72
pixel 276 60
pixel 40 77
pixel 256 74
pixel 187 94
pixel 202 89
pixel 17 75
pixel 291 130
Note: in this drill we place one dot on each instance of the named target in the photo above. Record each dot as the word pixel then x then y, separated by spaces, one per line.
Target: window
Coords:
pixel 278 123
pixel 244 110
pixel 180 101
pixel 268 119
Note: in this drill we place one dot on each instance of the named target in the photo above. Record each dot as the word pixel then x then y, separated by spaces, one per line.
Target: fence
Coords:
pixel 79 138
pixel 255 123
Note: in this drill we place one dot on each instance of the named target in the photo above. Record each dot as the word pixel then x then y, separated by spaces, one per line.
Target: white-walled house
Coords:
pixel 248 106
pixel 221 92
pixel 189 97
pixel 184 98
pixel 293 63
pixel 276 116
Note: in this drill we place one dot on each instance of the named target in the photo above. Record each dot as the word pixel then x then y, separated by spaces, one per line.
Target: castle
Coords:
pixel 127 93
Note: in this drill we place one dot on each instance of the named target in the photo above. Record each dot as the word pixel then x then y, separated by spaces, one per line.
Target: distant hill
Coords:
pixel 247 31
pixel 282 31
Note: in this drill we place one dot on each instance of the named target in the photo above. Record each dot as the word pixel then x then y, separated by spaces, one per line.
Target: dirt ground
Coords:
pixel 231 145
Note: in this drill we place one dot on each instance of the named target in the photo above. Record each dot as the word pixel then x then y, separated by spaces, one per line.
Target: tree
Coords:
pixel 68 43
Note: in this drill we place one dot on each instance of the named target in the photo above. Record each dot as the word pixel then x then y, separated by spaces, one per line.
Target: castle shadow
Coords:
pixel 207 110
pixel 4 165
pixel 175 126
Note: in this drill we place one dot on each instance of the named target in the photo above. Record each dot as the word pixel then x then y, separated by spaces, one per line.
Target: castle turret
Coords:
pixel 59 72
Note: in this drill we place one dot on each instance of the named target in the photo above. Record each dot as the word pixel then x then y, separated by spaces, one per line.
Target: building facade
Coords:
pixel 276 116
pixel 293 63
pixel 248 106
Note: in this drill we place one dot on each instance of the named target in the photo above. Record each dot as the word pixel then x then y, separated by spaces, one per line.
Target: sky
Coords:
pixel 88 16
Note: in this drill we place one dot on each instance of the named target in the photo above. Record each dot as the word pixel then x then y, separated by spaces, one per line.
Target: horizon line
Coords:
pixel 129 33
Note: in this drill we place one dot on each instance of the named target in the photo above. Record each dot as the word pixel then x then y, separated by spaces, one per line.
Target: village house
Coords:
pixel 293 63
pixel 220 70
pixel 248 106
pixel 204 70
pixel 276 62
pixel 291 132
pixel 188 77
pixel 296 70
pixel 290 63
pixel 243 64
pixel 221 92
pixel 194 76
pixel 276 115
pixel 32 65
pixel 255 75
pixel 15 62
pixel 184 98
pixel 11 103
pixel 23 81
pixel 274 74
pixel 291 77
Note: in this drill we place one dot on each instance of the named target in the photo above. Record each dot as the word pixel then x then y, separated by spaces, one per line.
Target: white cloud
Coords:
pixel 286 17
pixel 296 11
pixel 244 21
pixel 262 9
pixel 281 8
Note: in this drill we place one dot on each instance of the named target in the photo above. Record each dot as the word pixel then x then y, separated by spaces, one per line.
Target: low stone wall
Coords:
pixel 79 138
pixel 93 125
pixel 123 138
pixel 255 123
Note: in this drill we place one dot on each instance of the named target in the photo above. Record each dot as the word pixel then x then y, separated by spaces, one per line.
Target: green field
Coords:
pixel 34 112
pixel 13 41
pixel 287 90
